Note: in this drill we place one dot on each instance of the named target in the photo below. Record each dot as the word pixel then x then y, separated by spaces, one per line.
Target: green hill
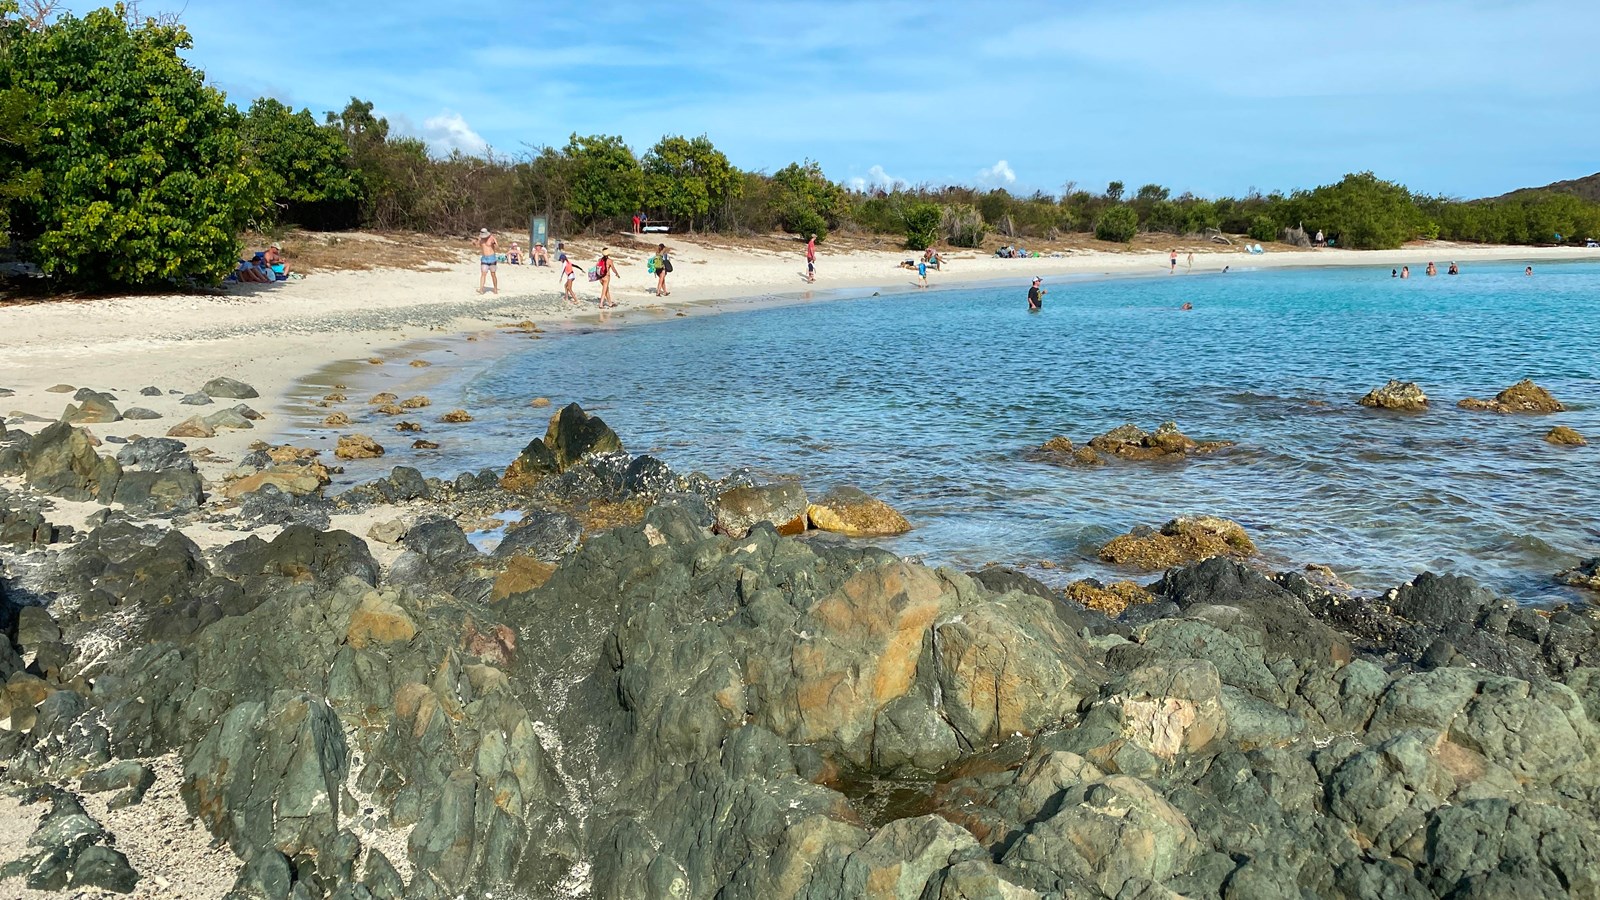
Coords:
pixel 1588 188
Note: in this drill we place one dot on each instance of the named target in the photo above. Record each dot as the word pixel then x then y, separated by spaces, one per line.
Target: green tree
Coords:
pixel 1362 211
pixel 1118 223
pixel 922 221
pixel 306 169
pixel 148 179
pixel 687 178
pixel 1114 191
pixel 606 179
pixel 808 203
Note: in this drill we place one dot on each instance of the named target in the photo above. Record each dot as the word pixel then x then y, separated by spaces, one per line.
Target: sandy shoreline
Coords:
pixel 292 341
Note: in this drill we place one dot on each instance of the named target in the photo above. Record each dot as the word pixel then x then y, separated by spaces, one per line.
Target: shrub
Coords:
pixel 1119 223
pixel 921 222
pixel 798 218
pixel 1262 228
pixel 964 226
pixel 146 171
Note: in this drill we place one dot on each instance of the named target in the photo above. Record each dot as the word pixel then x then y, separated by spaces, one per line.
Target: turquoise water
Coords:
pixel 929 400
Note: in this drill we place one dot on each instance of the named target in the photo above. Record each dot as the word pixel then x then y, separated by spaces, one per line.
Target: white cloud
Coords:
pixel 449 131
pixel 999 173
pixel 878 178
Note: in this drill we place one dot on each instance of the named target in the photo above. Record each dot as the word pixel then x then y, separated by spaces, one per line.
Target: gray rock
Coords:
pixel 572 435
pixel 104 868
pixel 1396 395
pixel 94 408
pixel 229 418
pixel 199 399
pixel 140 414
pixel 781 505
pixel 543 534
pixel 649 477
pixel 224 388
pixel 156 454
pixel 151 391
pixel 61 461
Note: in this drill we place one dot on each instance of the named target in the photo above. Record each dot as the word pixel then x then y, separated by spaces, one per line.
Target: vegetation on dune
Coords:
pixel 153 175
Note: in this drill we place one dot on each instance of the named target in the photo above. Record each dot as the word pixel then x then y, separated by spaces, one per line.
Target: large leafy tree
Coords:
pixel 305 168
pixel 1362 211
pixel 687 178
pixel 808 202
pixel 18 135
pixel 148 178
pixel 605 178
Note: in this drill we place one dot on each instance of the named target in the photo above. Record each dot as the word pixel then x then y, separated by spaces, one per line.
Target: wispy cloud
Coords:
pixel 449 131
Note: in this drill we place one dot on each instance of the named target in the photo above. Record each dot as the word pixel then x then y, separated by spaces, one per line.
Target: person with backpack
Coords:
pixel 604 269
pixel 663 265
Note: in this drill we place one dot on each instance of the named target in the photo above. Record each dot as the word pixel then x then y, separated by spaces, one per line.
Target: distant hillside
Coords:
pixel 1587 188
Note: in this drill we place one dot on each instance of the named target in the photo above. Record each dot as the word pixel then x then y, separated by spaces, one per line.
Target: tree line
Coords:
pixel 152 176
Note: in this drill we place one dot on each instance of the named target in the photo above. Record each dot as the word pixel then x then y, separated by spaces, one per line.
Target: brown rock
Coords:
pixel 192 427
pixel 420 364
pixel 540 402
pixel 1524 396
pixel 1180 541
pixel 571 435
pixel 291 481
pixel 854 513
pixel 390 410
pixel 417 402
pixel 456 416
pixel 1112 599
pixel 424 445
pixel 1085 456
pixel 1134 443
pixel 408 426
pixel 288 454
pixel 379 620
pixel 523 573
pixel 375 360
pixel 335 420
pixel 335 397
pixel 1397 395
pixel 1565 437
pixel 384 399
pixel 1058 444
pixel 357 446
pixel 60 389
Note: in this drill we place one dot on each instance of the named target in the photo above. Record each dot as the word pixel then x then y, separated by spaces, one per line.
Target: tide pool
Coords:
pixel 930 400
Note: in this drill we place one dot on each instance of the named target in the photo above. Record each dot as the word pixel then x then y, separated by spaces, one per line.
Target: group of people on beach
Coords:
pixel 265 267
pixel 603 270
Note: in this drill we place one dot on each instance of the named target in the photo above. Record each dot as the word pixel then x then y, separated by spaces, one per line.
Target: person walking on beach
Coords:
pixel 811 260
pixel 922 273
pixel 1174 258
pixel 568 276
pixel 488 258
pixel 1036 296
pixel 663 266
pixel 604 267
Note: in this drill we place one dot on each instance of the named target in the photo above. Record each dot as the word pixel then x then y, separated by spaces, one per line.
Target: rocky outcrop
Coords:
pixel 1112 599
pixel 1128 442
pixel 1522 397
pixel 357 446
pixel 1562 436
pixel 572 436
pixel 1181 540
pixel 855 513
pixel 1584 574
pixel 1404 396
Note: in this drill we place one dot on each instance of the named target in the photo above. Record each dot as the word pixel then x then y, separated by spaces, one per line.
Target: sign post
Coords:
pixel 538 232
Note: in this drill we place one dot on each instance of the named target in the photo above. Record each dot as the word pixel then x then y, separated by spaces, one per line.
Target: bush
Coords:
pixel 146 171
pixel 1262 228
pixel 922 222
pixel 1119 223
pixel 964 226
pixel 798 218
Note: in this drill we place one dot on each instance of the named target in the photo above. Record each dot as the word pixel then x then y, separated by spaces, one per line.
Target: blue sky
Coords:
pixel 1461 98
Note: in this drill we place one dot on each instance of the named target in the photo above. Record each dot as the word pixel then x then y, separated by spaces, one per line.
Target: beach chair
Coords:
pixel 1255 248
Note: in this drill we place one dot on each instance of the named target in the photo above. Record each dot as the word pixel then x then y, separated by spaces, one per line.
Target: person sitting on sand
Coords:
pixel 514 255
pixel 538 255
pixel 931 257
pixel 255 270
pixel 1036 296
pixel 274 257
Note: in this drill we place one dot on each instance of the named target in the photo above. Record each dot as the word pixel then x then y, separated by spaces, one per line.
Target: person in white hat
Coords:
pixel 1036 296
pixel 488 258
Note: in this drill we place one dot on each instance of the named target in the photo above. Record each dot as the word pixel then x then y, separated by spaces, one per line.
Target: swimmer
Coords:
pixel 1528 271
pixel 1225 269
pixel 1394 273
pixel 1187 306
pixel 1405 271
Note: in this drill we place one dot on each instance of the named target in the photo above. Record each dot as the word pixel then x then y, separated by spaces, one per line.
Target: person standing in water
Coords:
pixel 488 258
pixel 1405 271
pixel 663 266
pixel 811 260
pixel 1432 269
pixel 1036 296
pixel 1528 271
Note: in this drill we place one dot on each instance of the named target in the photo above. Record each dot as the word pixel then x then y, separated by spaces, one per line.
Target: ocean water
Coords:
pixel 930 400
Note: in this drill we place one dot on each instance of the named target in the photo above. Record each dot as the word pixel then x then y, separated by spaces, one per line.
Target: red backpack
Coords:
pixel 603 266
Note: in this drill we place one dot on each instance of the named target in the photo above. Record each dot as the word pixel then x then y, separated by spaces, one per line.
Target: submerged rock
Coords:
pixel 1563 436
pixel 1405 396
pixel 1112 599
pixel 1181 540
pixel 1584 574
pixel 1524 396
pixel 855 513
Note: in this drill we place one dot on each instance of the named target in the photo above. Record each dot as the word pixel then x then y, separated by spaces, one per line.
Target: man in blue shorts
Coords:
pixel 488 258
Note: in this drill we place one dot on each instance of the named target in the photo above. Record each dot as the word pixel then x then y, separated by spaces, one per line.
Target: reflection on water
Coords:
pixel 929 400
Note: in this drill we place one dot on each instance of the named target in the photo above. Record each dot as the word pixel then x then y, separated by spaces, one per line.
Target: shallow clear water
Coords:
pixel 929 400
